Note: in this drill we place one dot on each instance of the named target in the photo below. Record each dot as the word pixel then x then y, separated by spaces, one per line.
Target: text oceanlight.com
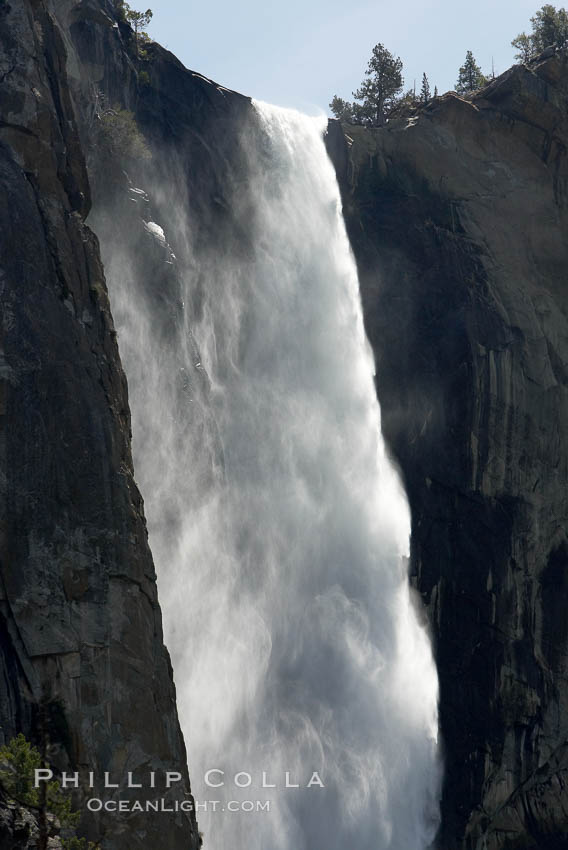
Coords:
pixel 166 806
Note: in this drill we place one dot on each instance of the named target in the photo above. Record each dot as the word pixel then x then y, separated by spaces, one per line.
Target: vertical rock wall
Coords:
pixel 458 217
pixel 82 655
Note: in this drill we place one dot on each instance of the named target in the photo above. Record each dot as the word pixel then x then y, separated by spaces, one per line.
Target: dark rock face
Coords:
pixel 458 217
pixel 81 650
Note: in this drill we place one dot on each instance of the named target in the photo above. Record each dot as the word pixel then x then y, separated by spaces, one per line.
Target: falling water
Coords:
pixel 279 529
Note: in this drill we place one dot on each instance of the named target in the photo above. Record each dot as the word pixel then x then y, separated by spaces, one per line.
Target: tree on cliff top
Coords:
pixel 470 76
pixel 378 92
pixel 384 81
pixel 137 20
pixel 549 29
pixel 342 109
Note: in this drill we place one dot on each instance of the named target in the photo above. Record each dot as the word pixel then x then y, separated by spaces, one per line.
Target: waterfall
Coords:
pixel 280 528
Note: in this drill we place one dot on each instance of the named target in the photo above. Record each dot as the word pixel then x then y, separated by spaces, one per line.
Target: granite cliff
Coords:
pixel 458 218
pixel 457 214
pixel 83 667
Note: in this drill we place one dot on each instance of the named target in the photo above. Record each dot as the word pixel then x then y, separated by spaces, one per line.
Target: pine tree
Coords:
pixel 524 46
pixel 425 91
pixel 362 115
pixel 384 81
pixel 549 29
pixel 18 762
pixel 342 109
pixel 435 91
pixel 470 75
pixel 137 20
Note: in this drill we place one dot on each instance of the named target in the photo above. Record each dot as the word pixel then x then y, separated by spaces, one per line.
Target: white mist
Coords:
pixel 286 604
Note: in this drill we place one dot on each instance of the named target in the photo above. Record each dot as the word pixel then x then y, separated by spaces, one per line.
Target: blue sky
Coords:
pixel 300 52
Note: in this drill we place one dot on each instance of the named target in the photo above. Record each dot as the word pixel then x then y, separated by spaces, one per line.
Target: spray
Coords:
pixel 279 527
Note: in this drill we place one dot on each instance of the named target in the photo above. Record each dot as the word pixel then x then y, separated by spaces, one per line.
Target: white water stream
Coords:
pixel 286 604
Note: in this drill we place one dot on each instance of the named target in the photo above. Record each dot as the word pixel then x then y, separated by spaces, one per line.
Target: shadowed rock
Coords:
pixel 82 656
pixel 458 216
